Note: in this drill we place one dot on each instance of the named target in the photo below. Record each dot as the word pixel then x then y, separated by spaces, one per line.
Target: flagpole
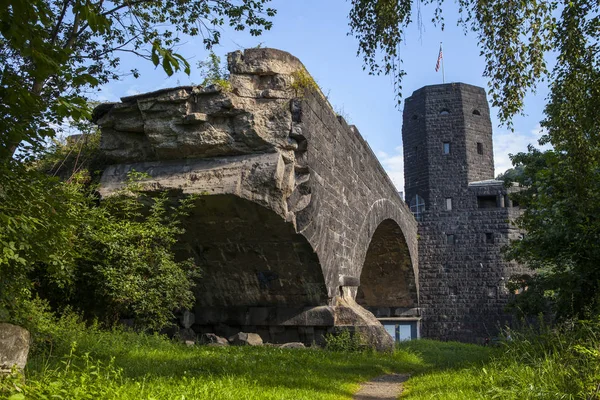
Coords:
pixel 443 73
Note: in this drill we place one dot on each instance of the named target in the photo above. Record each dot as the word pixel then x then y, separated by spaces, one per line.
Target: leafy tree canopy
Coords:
pixel 514 38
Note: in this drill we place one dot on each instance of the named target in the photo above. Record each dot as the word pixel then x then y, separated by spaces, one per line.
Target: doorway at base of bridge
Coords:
pixel 257 274
pixel 387 281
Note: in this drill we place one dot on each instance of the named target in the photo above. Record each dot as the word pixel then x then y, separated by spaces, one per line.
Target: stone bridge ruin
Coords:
pixel 297 228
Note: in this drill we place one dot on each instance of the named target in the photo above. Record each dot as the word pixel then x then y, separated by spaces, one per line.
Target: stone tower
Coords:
pixel 463 213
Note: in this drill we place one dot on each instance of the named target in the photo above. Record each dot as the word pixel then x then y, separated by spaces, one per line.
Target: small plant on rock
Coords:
pixel 302 82
pixel 344 341
pixel 214 72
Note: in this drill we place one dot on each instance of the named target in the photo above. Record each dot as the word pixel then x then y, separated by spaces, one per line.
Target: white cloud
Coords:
pixel 132 91
pixel 505 143
pixel 394 166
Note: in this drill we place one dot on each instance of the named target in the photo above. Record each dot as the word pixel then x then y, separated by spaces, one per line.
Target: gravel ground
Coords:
pixel 385 387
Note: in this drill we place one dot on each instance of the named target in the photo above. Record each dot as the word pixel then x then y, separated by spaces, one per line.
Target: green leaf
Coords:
pixel 166 64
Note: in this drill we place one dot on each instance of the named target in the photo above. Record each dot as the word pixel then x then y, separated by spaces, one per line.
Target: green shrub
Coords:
pixel 213 73
pixel 108 260
pixel 344 341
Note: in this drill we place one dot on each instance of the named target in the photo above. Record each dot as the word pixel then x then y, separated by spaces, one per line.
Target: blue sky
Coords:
pixel 315 31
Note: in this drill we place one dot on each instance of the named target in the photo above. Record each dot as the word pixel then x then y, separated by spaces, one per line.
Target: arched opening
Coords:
pixel 257 272
pixel 444 111
pixel 249 256
pixel 387 282
pixel 476 112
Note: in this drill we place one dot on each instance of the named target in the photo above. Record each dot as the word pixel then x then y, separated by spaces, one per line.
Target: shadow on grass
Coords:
pixel 158 365
pixel 309 372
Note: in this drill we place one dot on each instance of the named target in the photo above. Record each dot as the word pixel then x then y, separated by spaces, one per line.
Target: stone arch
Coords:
pixel 387 280
pixel 380 211
pixel 250 257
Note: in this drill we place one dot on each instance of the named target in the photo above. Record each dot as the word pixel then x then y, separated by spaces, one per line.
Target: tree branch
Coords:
pixel 74 32
pixel 56 29
pixel 124 5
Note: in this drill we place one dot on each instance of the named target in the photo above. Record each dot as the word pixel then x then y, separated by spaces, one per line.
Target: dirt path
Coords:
pixel 385 387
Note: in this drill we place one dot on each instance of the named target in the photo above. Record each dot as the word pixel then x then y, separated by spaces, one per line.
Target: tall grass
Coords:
pixel 536 363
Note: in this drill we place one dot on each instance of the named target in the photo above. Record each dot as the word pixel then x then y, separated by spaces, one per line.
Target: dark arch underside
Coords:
pixel 249 256
pixel 387 279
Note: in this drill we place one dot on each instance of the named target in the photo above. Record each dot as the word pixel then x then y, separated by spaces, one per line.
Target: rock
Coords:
pixel 14 347
pixel 246 339
pixel 195 118
pixel 213 340
pixel 349 315
pixel 293 345
pixel 189 343
pixel 187 335
pixel 218 344
pixel 263 61
pixel 187 319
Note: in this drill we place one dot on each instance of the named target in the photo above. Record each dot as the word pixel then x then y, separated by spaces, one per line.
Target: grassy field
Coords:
pixel 88 363
pixel 551 363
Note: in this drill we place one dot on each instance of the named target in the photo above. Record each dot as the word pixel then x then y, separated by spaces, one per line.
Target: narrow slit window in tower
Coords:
pixel 450 239
pixel 446 147
pixel 489 238
pixel 448 203
pixel 479 148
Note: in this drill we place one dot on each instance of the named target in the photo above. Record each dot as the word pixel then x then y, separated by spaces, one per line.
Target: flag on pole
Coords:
pixel 439 60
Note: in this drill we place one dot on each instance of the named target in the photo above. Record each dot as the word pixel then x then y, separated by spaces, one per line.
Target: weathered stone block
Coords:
pixel 14 347
pixel 211 338
pixel 245 339
pixel 187 319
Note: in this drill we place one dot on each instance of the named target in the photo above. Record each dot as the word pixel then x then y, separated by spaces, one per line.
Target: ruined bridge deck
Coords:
pixel 297 225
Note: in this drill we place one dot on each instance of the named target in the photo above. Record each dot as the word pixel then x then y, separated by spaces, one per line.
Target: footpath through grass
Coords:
pixel 126 365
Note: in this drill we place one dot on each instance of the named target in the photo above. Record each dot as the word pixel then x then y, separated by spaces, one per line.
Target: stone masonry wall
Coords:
pixel 462 272
pixel 351 195
pixel 463 283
